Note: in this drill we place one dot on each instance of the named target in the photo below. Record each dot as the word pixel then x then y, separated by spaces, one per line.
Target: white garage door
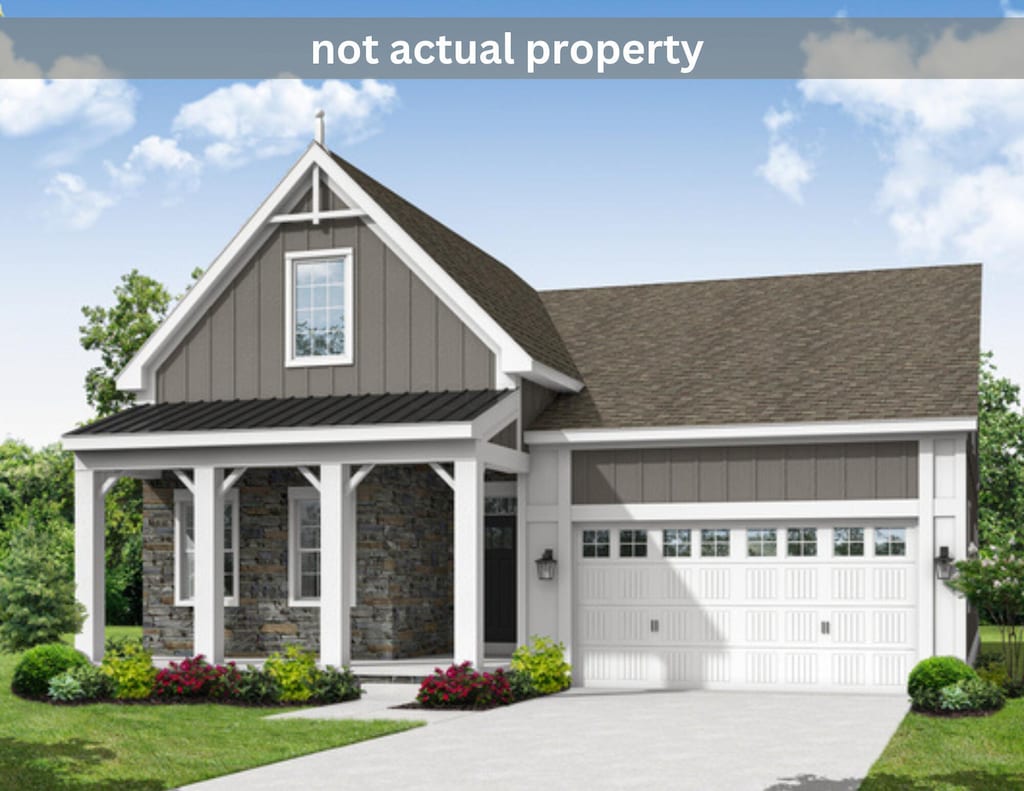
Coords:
pixel 810 607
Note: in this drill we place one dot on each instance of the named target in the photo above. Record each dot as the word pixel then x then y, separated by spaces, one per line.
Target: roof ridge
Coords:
pixel 756 278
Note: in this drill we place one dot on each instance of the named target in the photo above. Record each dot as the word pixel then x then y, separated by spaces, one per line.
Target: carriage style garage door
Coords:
pixel 809 607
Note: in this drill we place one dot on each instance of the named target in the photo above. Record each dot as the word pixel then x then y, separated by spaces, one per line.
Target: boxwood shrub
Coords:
pixel 38 665
pixel 930 676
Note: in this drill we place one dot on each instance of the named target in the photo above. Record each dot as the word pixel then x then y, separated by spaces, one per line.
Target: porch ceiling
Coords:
pixel 352 410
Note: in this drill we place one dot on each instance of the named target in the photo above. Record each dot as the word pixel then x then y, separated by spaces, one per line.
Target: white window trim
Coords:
pixel 185 496
pixel 290 360
pixel 295 494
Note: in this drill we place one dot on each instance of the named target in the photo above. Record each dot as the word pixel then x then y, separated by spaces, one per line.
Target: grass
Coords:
pixel 976 753
pixel 140 747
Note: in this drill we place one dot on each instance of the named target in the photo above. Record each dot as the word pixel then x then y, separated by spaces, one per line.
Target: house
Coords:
pixel 360 432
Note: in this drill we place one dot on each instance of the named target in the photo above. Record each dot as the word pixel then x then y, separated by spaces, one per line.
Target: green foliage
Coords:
pixel 971 694
pixel 80 683
pixel 995 673
pixel 521 685
pixel 333 685
pixel 258 687
pixel 117 333
pixel 295 671
pixel 37 593
pixel 1000 456
pixel 931 675
pixel 463 687
pixel 543 663
pixel 38 665
pixel 130 667
pixel 993 583
pixel 36 489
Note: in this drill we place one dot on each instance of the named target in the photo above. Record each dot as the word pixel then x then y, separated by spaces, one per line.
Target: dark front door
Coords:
pixel 500 579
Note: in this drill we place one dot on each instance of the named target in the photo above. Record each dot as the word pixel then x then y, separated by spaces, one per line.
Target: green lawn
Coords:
pixel 983 753
pixel 130 747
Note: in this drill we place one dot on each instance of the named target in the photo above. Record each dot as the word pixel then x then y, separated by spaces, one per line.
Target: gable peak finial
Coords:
pixel 319 130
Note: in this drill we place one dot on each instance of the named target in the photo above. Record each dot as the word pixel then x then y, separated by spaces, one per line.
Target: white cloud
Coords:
pixel 1010 11
pixel 38 101
pixel 78 205
pixel 786 170
pixel 244 122
pixel 774 120
pixel 157 154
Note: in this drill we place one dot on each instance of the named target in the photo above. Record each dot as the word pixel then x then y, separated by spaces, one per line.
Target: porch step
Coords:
pixel 379 678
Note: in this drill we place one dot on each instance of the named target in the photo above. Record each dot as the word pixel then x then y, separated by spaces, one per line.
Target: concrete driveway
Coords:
pixel 603 739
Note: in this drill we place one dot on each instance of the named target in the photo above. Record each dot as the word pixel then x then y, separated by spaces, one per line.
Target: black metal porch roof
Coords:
pixel 351 410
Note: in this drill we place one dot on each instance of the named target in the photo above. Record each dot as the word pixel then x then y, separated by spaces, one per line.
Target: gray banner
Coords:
pixel 512 48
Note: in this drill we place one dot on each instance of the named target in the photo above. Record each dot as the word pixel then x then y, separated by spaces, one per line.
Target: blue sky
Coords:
pixel 571 183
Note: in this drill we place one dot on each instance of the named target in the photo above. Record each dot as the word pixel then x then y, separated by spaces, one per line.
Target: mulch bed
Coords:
pixel 956 715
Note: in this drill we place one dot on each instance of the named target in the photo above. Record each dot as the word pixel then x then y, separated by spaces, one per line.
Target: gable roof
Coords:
pixel 509 299
pixel 873 345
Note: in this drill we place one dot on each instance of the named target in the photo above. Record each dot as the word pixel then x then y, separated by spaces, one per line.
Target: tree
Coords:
pixel 1000 457
pixel 37 593
pixel 118 333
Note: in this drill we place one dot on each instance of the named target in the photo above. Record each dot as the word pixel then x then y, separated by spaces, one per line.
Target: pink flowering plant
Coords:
pixel 993 582
pixel 461 686
pixel 196 678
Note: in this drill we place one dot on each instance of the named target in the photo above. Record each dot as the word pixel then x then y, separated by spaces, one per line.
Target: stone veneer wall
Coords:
pixel 403 567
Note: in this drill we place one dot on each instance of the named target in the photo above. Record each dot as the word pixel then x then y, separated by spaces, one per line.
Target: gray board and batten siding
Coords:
pixel 838 471
pixel 406 339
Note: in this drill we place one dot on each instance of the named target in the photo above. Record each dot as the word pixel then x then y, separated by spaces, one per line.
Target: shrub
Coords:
pixel 196 678
pixel 37 594
pixel 332 685
pixel 38 665
pixel 972 694
pixel 929 676
pixel 543 662
pixel 82 682
pixel 460 686
pixel 521 685
pixel 995 673
pixel 256 686
pixel 295 672
pixel 130 668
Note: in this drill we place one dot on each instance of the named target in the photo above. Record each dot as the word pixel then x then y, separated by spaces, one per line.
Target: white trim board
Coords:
pixel 745 433
pixel 831 510
pixel 139 376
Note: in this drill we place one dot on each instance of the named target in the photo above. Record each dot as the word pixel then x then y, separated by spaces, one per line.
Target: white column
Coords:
pixel 926 583
pixel 208 608
pixel 337 544
pixel 565 552
pixel 469 562
pixel 90 566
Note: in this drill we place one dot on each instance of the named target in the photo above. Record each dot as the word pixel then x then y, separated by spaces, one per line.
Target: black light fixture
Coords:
pixel 944 567
pixel 546 565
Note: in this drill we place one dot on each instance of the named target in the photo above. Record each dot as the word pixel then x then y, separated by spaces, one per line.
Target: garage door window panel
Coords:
pixel 714 543
pixel 890 542
pixel 848 542
pixel 676 543
pixel 762 543
pixel 632 543
pixel 596 544
pixel 802 542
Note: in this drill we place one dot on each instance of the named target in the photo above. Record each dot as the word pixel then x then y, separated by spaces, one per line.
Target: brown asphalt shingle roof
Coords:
pixel 899 343
pixel 506 297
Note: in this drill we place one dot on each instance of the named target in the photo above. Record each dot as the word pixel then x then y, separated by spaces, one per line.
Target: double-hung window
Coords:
pixel 319 307
pixel 185 548
pixel 303 546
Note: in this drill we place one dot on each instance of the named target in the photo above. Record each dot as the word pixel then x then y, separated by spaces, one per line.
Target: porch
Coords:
pixel 334 460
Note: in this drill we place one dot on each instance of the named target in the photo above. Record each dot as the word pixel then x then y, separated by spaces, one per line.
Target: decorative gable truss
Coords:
pixel 316 168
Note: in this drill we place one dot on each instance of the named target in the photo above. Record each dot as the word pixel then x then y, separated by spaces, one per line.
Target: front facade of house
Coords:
pixel 359 432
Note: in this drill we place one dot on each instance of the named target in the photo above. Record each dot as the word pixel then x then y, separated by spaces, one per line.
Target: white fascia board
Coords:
pixel 832 510
pixel 754 432
pixel 139 375
pixel 511 357
pixel 269 437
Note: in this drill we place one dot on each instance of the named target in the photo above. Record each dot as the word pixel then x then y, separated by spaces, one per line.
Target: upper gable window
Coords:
pixel 319 307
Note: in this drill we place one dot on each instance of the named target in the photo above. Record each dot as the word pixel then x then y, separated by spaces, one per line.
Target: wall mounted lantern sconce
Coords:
pixel 546 565
pixel 944 567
